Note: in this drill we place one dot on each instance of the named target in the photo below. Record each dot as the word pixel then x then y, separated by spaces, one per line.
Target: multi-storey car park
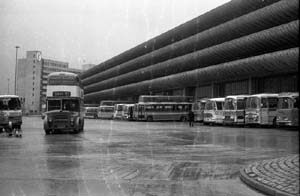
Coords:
pixel 241 47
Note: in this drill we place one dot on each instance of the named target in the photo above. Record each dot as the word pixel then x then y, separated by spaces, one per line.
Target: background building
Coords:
pixel 32 73
pixel 241 47
pixel 87 66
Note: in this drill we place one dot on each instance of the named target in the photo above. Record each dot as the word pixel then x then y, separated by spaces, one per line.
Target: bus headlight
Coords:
pixel 50 120
pixel 72 121
pixel 10 124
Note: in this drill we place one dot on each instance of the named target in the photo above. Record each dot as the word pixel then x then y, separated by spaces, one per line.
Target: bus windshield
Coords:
pixel 296 102
pixel 286 103
pixel 241 104
pixel 119 108
pixel 229 104
pixel 253 102
pixel 10 103
pixel 64 104
pixel 70 105
pixel 106 109
pixel 209 105
pixel 54 104
pixel 273 101
pixel 219 105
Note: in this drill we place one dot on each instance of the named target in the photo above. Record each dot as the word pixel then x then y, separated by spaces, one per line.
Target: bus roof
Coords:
pixel 202 99
pixel 217 99
pixel 107 106
pixel 236 96
pixel 91 107
pixel 164 98
pixel 265 95
pixel 289 94
pixel 162 103
pixel 62 73
pixel 113 102
pixel 9 96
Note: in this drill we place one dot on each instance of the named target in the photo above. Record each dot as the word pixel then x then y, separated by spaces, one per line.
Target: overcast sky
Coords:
pixel 86 31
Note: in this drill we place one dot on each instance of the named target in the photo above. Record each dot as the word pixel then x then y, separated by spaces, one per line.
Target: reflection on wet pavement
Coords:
pixel 136 158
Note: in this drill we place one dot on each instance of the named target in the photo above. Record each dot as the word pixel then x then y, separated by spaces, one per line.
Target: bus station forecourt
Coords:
pixel 235 67
pixel 240 48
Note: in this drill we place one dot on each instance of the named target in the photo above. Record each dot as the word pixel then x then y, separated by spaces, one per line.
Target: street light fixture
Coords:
pixel 16 69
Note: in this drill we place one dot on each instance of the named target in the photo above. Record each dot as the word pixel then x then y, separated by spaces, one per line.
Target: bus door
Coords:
pixel 240 111
pixel 141 112
pixel 268 110
pixel 264 111
pixel 219 112
pixel 272 105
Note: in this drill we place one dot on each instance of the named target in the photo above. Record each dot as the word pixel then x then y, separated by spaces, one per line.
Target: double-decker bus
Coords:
pixel 64 103
pixel 213 111
pixel 261 109
pixel 198 109
pixel 234 109
pixel 10 114
pixel 159 108
pixel 288 109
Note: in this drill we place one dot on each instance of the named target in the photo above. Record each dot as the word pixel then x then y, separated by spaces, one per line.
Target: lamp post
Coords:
pixel 8 86
pixel 16 69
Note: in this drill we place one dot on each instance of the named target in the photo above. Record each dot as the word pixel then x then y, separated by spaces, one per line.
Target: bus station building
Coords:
pixel 240 47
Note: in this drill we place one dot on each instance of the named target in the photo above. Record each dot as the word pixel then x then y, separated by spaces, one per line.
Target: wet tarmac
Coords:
pixel 113 158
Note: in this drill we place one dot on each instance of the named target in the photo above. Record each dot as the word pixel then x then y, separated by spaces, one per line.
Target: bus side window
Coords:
pixel 296 103
pixel 168 108
pixel 264 103
pixel 173 107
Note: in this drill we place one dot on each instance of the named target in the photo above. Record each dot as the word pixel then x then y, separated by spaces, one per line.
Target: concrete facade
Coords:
pixel 87 66
pixel 32 73
pixel 241 47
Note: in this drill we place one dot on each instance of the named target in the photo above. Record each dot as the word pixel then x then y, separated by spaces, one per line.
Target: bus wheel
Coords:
pixel 76 131
pixel 47 131
pixel 149 119
pixel 274 122
pixel 182 118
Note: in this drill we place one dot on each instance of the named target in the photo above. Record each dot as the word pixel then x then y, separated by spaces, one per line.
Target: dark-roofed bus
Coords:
pixel 162 108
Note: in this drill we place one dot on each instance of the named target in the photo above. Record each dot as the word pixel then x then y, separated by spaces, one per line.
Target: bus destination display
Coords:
pixel 61 94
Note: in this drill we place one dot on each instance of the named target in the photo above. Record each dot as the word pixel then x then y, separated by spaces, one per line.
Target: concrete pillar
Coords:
pixel 250 86
pixel 212 89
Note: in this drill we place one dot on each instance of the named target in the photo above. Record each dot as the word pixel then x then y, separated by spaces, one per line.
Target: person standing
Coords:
pixel 191 118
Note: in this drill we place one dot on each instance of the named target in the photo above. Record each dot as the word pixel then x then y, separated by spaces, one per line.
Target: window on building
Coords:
pixel 33 94
pixel 33 103
pixel 33 61
pixel 33 89
pixel 33 72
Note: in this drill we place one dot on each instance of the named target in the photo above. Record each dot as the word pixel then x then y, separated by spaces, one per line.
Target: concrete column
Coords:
pixel 250 86
pixel 212 89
